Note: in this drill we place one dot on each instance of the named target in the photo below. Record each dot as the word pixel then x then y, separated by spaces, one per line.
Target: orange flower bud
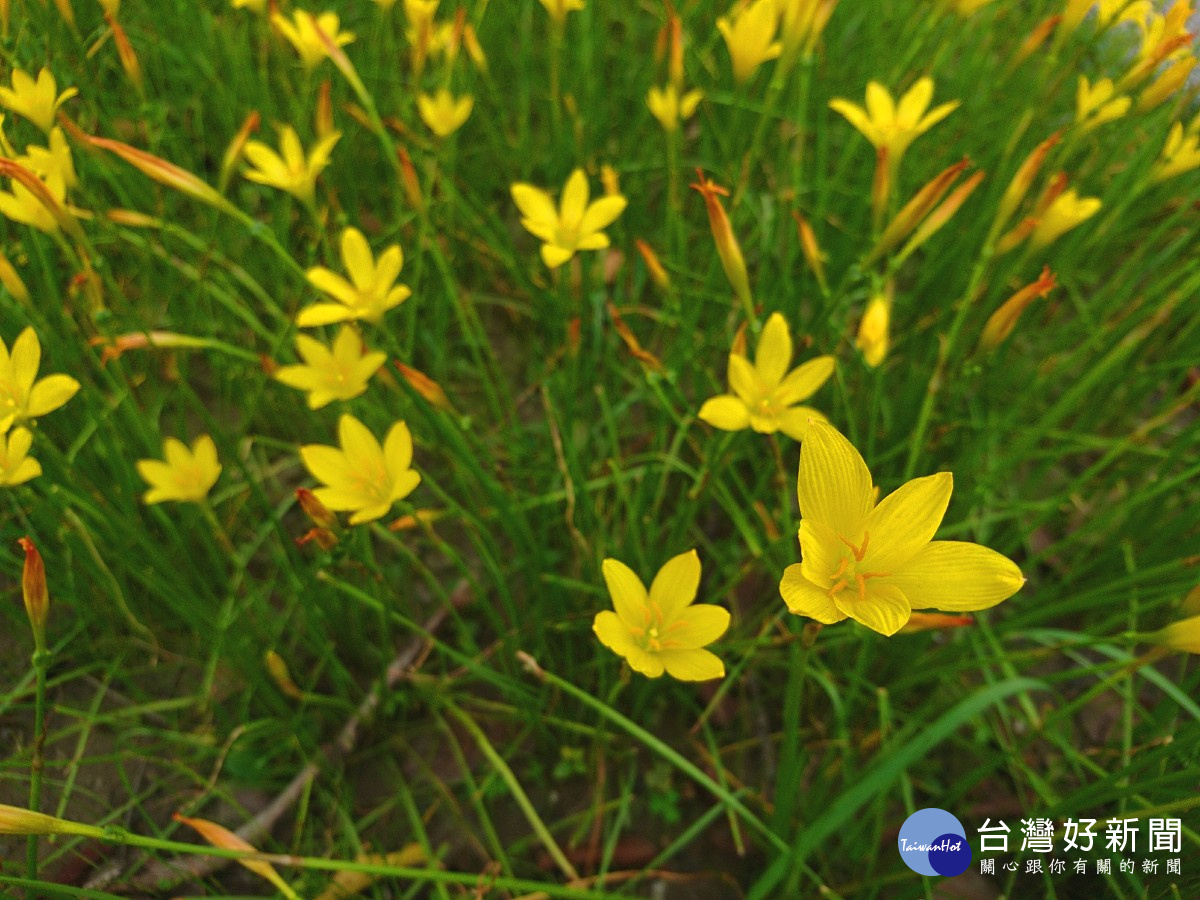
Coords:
pixel 323 115
pixel 1023 180
pixel 923 621
pixel 648 360
pixel 657 273
pixel 941 215
pixel 811 249
pixel 33 587
pixel 881 186
pixel 222 837
pixel 727 246
pixel 1035 39
pixel 125 52
pixel 315 509
pixel 431 392
pixel 409 180
pixel 278 670
pixel 1003 320
pixel 916 209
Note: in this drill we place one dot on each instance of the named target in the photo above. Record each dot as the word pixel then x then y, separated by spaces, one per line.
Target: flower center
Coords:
pixel 653 636
pixel 847 573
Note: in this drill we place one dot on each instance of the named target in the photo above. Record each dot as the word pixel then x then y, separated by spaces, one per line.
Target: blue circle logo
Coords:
pixel 933 842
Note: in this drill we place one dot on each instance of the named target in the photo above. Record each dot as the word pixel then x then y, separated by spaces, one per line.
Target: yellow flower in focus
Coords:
pixel 1095 104
pixel 36 101
pixel 750 37
pixel 24 206
pixel 302 34
pixel 361 475
pixel 765 393
pixel 873 330
pixel 876 563
pixel 1180 154
pixel 890 125
pixel 23 395
pixel 290 170
pixel 340 372
pixel 370 292
pixel 443 113
pixel 16 465
pixel 669 108
pixel 187 475
pixel 558 9
pixel 1067 211
pixel 661 630
pixel 574 225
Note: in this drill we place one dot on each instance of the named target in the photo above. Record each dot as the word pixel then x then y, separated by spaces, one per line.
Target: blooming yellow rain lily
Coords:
pixel 16 465
pixel 876 563
pixel 1067 211
pixel 558 9
pixel 339 372
pixel 894 126
pixel 187 475
pixel 24 206
pixel 443 113
pixel 290 170
pixel 575 225
pixel 36 101
pixel 662 629
pixel 22 395
pixel 764 397
pixel 52 161
pixel 750 37
pixel 370 292
pixel 669 108
pixel 1095 103
pixel 301 33
pixel 361 475
pixel 1180 154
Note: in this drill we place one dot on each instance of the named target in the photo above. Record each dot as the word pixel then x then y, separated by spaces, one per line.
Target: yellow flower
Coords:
pixel 361 475
pixel 575 225
pixel 53 161
pixel 257 6
pixel 1067 211
pixel 16 465
pixel 890 125
pixel 750 37
pixel 873 330
pixel 370 292
pixel 23 205
pixel 801 23
pixel 302 34
pixel 22 395
pixel 186 476
pixel 36 101
pixel 1183 635
pixel 1095 104
pixel 291 171
pixel 1180 154
pixel 443 113
pixel 764 397
pixel 558 9
pixel 662 630
pixel 876 563
pixel 669 108
pixel 337 373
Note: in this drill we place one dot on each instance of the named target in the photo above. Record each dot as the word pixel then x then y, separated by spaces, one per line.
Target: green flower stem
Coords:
pixel 41 662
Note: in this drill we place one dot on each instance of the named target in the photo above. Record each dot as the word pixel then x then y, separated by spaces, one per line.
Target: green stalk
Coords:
pixel 41 661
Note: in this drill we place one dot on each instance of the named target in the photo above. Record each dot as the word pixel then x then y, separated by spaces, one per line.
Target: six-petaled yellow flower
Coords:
pixel 290 170
pixel 186 476
pixel 443 113
pixel 340 372
pixel 877 563
pixel 574 225
pixel 16 465
pixel 302 33
pixel 361 475
pixel 765 394
pixel 750 37
pixel 38 101
pixel 890 125
pixel 23 395
pixel 370 292
pixel 662 630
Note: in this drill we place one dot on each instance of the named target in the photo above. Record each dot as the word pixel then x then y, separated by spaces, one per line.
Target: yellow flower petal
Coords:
pixel 743 380
pixel 602 213
pixel 957 576
pixel 726 412
pixel 885 608
pixel 906 520
pixel 627 591
pixel 698 626
pixel 774 351
pixel 574 198
pixel 692 665
pixel 806 599
pixel 796 421
pixel 50 393
pixel 675 585
pixel 535 205
pixel 804 380
pixel 834 485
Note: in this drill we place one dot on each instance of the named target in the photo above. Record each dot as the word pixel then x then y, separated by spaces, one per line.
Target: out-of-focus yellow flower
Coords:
pixel 340 372
pixel 361 475
pixel 370 292
pixel 1001 323
pixel 443 113
pixel 558 9
pixel 801 23
pixel 301 33
pixel 965 7
pixel 894 126
pixel 16 465
pixel 662 629
pixel 1180 154
pixel 29 208
pixel 23 395
pixel 669 108
pixel 765 394
pixel 38 101
pixel 290 170
pixel 187 475
pixel 1169 82
pixel 750 37
pixel 1067 211
pixel 1095 104
pixel 52 161
pixel 10 278
pixel 575 225
pixel 876 563
pixel 1163 37
pixel 257 6
pixel 874 330
pixel 222 837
